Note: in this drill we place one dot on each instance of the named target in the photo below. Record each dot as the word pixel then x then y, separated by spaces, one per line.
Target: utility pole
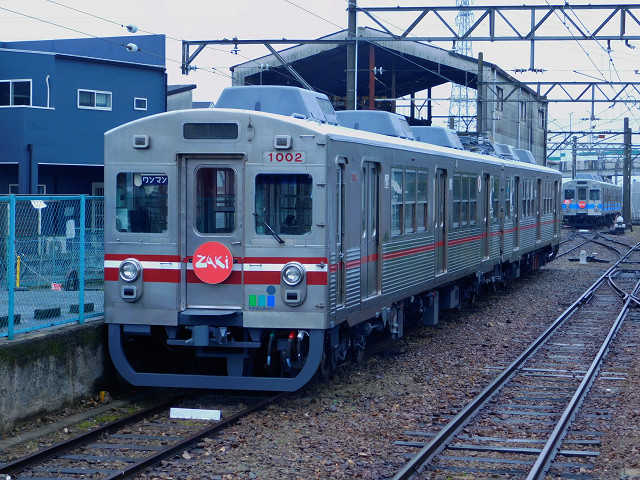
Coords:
pixel 481 98
pixel 626 176
pixel 574 157
pixel 352 57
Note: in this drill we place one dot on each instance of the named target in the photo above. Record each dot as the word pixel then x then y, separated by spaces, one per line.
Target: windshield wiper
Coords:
pixel 271 230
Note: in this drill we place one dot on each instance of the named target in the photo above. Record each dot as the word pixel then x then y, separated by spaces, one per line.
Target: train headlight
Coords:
pixel 130 270
pixel 292 274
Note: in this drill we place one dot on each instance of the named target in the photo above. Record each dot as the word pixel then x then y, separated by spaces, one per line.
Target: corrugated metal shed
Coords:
pixel 508 110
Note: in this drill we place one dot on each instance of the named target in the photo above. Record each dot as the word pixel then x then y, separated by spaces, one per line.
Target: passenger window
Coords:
pixel 283 203
pixel 142 202
pixel 421 210
pixel 409 207
pixel 409 200
pixel 215 200
pixel 507 199
pixel 397 187
pixel 495 199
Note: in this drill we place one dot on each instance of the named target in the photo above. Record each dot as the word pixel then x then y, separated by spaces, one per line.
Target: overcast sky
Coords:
pixel 308 19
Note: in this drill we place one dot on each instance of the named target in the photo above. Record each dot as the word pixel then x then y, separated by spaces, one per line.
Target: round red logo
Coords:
pixel 212 262
pixel 582 204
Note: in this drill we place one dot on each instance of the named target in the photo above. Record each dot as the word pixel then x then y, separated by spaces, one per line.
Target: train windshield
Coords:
pixel 582 194
pixel 141 202
pixel 569 194
pixel 594 194
pixel 283 202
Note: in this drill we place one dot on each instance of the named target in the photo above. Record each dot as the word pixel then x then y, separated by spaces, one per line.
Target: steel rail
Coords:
pixel 574 248
pixel 182 445
pixel 548 453
pixel 593 240
pixel 598 234
pixel 445 436
pixel 24 463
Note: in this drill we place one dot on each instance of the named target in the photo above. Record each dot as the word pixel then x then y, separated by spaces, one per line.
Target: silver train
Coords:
pixel 588 201
pixel 252 250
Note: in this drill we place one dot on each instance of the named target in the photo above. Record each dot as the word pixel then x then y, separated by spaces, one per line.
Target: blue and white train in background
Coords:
pixel 589 201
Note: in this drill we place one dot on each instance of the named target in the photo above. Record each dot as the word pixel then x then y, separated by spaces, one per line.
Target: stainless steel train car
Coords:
pixel 589 201
pixel 250 250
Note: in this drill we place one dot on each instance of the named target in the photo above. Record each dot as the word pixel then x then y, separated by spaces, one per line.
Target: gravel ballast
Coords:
pixel 346 428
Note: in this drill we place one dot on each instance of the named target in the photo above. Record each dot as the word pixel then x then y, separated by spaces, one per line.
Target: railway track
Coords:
pixel 522 425
pixel 591 237
pixel 122 448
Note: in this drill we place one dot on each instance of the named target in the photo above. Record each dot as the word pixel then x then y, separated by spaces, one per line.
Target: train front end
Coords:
pixel 215 250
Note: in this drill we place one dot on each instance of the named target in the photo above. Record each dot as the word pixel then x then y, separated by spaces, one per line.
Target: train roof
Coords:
pixel 589 176
pixel 589 179
pixel 337 133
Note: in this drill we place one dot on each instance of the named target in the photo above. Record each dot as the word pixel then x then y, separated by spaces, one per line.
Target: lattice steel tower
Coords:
pixel 462 106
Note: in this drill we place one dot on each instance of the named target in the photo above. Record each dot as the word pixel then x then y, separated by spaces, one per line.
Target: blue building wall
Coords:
pixel 55 143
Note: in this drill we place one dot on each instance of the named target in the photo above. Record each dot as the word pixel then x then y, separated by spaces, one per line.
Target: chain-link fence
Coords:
pixel 51 261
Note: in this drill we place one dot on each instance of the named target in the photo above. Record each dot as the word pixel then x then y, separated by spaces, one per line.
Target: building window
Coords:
pixel 523 111
pixel 499 98
pixel 15 92
pixel 139 103
pixel 94 99
pixel 541 118
pixel 13 189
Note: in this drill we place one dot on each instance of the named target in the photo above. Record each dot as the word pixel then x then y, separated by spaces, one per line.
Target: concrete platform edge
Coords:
pixel 45 371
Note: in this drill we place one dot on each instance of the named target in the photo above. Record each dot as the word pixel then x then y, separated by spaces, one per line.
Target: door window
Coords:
pixel 215 200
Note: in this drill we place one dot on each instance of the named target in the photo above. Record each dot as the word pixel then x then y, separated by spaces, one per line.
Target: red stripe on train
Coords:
pixel 144 258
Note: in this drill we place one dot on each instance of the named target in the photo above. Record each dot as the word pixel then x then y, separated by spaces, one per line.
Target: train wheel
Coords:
pixel 358 354
pixel 473 298
pixel 326 369
pixel 358 345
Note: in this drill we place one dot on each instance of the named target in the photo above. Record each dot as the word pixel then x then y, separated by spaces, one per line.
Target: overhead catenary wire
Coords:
pixel 105 39
pixel 578 41
pixel 293 3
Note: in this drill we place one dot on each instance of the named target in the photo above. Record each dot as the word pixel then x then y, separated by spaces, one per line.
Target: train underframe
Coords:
pixel 590 221
pixel 225 355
